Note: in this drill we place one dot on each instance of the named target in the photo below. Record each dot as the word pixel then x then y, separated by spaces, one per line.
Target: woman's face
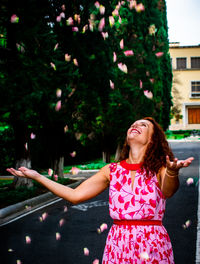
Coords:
pixel 140 131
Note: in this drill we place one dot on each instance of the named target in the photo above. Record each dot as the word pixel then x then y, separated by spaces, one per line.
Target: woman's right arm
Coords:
pixel 85 191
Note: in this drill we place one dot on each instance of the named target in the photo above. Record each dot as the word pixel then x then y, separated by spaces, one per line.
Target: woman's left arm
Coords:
pixel 169 175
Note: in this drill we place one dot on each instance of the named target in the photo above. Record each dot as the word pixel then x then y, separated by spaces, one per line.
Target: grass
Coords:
pixel 180 134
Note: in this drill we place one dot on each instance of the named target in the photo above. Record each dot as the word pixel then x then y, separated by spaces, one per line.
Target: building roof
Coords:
pixel 176 45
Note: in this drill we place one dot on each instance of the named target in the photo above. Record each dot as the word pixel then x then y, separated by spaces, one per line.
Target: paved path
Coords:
pixel 80 230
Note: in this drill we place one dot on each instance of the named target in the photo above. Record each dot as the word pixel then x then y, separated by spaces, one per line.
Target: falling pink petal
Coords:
pixel 58 18
pixel 53 66
pixel 91 25
pixel 70 21
pixel 115 12
pixel 44 216
pixel 101 24
pixel 139 8
pixel 104 35
pixel 151 80
pixel 33 136
pixel 190 181
pixel 148 94
pixel 97 5
pixel 141 84
pixel 111 20
pixel 56 46
pixel 65 208
pixel 19 261
pixel 152 29
pixel 73 154
pixel 40 219
pixel 112 85
pixel 86 251
pixel 50 172
pixel 114 57
pixel 61 222
pixel 121 43
pixel 144 255
pixel 67 57
pixel 77 18
pixel 58 106
pixel 62 15
pixel 66 129
pixel 75 29
pixel 122 67
pixel 132 4
pixel 20 48
pixel 98 230
pixel 26 146
pixel 102 9
pixel 103 227
pixel 187 224
pixel 159 54
pixel 96 261
pixel 118 5
pixel 63 7
pixel 128 53
pixel 58 236
pixel 28 240
pixel 74 170
pixel 85 28
pixel 55 177
pixel 75 62
pixel 58 93
pixel 14 19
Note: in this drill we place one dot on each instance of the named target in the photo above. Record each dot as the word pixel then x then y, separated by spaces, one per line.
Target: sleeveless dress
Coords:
pixel 136 244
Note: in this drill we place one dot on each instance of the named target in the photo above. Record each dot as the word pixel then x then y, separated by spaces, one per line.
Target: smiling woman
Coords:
pixel 139 184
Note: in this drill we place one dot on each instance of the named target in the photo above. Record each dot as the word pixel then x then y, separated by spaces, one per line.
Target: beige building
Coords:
pixel 186 87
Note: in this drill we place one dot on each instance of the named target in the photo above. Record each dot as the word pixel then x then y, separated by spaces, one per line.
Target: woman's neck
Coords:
pixel 136 154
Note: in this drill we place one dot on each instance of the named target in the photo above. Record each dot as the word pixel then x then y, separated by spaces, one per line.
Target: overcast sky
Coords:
pixel 184 21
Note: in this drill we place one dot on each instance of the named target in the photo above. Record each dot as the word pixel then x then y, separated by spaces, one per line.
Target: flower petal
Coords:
pixel 28 240
pixel 86 251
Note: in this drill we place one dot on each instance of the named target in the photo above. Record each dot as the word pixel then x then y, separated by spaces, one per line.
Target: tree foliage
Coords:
pixel 89 67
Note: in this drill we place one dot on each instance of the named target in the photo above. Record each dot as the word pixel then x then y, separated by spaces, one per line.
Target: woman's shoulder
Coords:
pixel 110 167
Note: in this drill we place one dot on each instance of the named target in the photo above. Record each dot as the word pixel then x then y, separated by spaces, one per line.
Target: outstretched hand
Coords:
pixel 176 164
pixel 24 172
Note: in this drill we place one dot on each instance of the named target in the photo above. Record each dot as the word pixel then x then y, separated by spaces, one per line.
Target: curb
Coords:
pixel 183 140
pixel 15 210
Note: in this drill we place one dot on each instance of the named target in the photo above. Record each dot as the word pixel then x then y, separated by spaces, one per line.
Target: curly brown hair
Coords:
pixel 156 152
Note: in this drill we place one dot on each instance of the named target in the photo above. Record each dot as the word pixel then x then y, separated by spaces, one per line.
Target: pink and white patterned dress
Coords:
pixel 136 244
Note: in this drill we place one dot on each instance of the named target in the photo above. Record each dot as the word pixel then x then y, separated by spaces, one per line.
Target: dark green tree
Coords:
pixel 32 73
pixel 140 76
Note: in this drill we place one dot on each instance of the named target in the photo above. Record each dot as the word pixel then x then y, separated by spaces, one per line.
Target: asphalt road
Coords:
pixel 81 222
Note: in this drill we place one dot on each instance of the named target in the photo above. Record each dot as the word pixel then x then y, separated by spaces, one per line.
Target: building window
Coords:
pixel 195 62
pixel 181 63
pixel 195 89
pixel 193 115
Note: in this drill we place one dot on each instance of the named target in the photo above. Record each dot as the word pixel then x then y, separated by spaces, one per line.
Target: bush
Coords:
pixel 179 134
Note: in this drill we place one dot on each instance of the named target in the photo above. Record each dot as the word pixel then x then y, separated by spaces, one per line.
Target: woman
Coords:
pixel 146 175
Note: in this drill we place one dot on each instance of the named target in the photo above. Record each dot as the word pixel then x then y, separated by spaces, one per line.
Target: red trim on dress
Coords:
pixel 137 222
pixel 129 166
